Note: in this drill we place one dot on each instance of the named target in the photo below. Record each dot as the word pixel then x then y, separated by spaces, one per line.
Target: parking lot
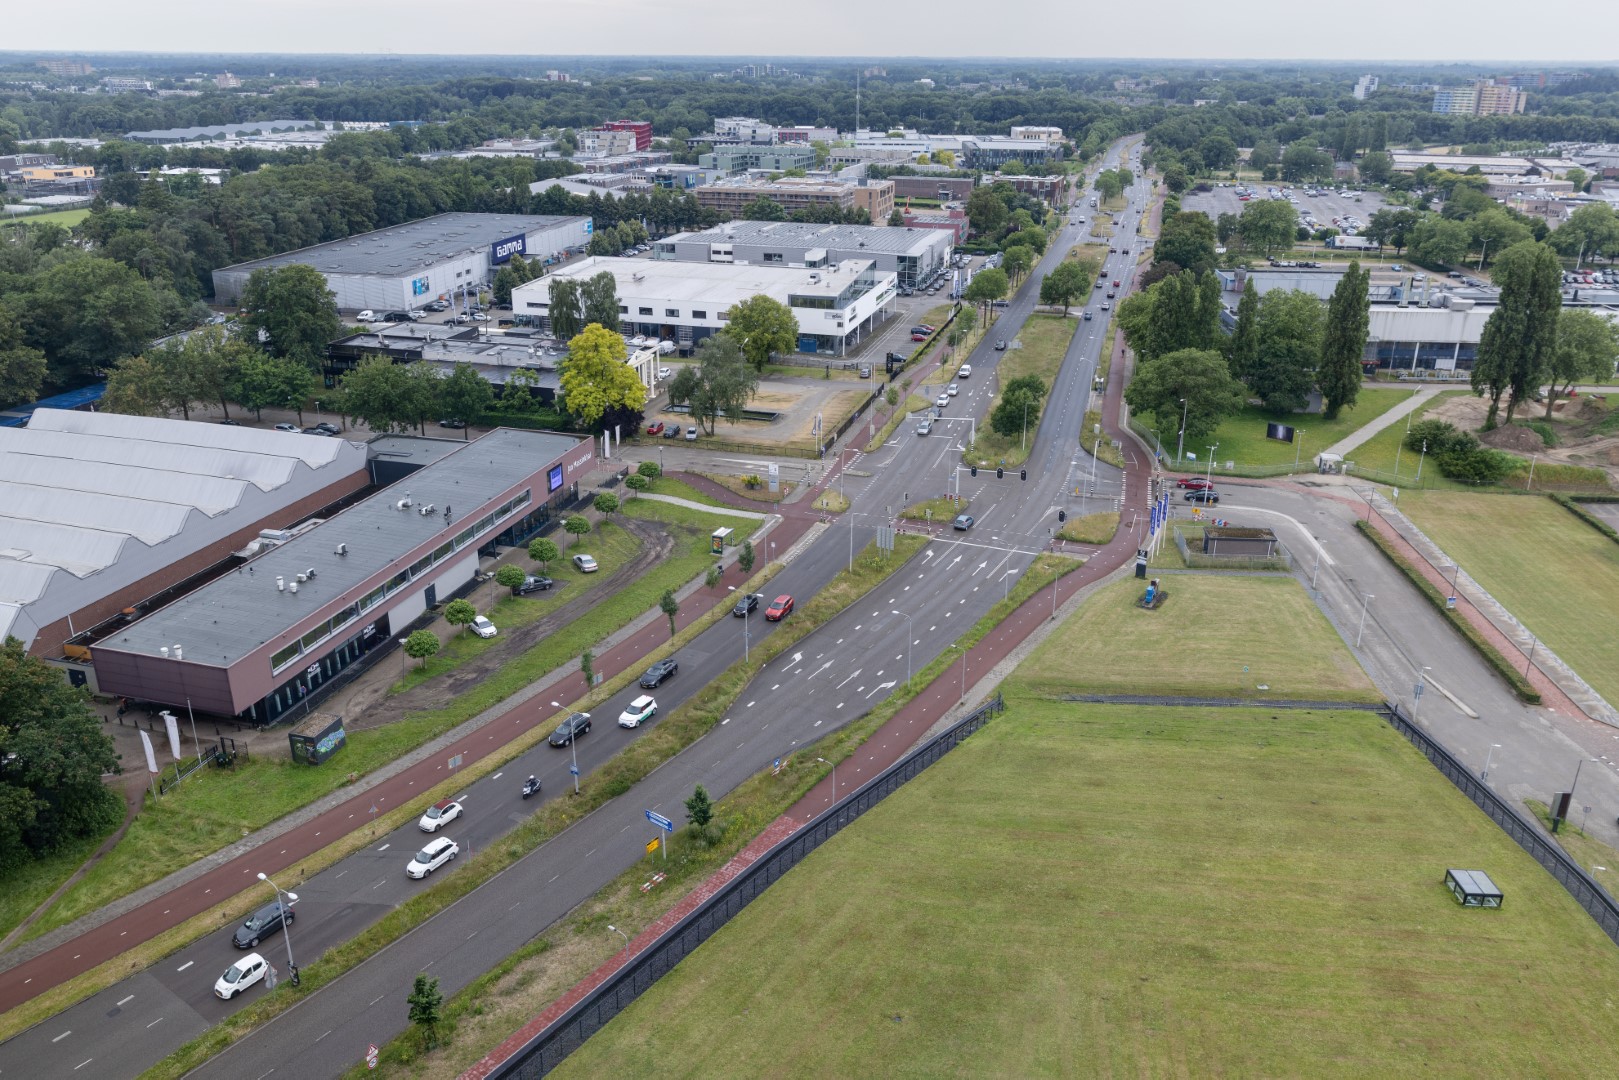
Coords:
pixel 1324 207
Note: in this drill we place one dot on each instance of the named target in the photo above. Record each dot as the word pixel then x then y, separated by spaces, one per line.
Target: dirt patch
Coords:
pixel 1572 421
pixel 1514 438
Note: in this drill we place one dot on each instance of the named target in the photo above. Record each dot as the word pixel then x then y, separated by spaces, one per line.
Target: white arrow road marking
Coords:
pixel 818 670
pixel 879 687
pixel 840 685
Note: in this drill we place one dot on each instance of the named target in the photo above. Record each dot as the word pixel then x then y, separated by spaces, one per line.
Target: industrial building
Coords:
pixel 103 514
pixel 836 306
pixel 909 254
pixel 732 196
pixel 257 643
pixel 409 265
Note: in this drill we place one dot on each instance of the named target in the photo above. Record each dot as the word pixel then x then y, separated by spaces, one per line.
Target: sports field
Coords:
pixel 1556 574
pixel 1216 635
pixel 1119 891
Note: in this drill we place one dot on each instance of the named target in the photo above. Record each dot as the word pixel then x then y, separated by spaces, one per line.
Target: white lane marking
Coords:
pixel 126 1001
pixel 498 775
pixel 83 1063
pixel 62 1036
pixel 185 965
pixel 156 1022
pixel 384 847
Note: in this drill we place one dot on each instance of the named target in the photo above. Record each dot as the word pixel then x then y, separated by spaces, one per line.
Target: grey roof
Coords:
pixel 414 448
pixel 215 131
pixel 406 249
pixel 233 615
pixel 841 238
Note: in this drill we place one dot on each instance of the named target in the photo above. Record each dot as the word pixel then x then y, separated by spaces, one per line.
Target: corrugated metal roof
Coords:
pixel 312 450
pixel 79 551
pixel 148 521
pixel 212 495
pixel 23 583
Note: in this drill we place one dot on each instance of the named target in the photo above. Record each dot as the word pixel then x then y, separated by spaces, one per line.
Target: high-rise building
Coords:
pixel 1479 99
pixel 1365 86
pixel 66 68
pixel 641 128
pixel 226 81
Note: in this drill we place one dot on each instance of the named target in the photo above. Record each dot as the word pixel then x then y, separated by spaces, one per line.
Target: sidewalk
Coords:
pixel 1363 434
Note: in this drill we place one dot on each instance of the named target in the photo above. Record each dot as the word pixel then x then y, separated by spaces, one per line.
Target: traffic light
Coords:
pixel 1062 515
pixel 1000 473
pixel 1023 474
pixel 975 470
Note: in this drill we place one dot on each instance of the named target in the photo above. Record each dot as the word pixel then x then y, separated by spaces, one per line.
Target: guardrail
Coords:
pixel 548 1049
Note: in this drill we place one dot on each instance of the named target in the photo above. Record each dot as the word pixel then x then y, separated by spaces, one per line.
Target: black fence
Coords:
pixel 1528 834
pixel 547 1050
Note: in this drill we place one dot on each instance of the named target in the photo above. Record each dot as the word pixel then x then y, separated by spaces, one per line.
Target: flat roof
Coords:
pixel 423 450
pixel 406 249
pixel 888 240
pixel 230 617
pixel 714 283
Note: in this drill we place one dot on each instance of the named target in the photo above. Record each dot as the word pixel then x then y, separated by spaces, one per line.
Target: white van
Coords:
pixel 965 372
pixel 367 316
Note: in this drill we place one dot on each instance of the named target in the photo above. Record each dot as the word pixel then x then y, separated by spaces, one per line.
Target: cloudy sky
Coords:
pixel 1371 30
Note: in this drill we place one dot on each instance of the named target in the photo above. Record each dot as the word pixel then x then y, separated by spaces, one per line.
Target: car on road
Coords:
pixel 1100 284
pixel 638 712
pixel 1111 294
pixel 435 854
pixel 483 627
pixel 1000 346
pixel 1115 283
pixel 585 564
pixel 533 584
pixel 664 373
pixel 963 522
pixel 925 428
pixel 941 401
pixel 294 428
pixel 1196 483
pixel 658 672
pixel 575 725
pixel 367 316
pixel 440 813
pixel 240 975
pixel 1204 495
pixel 655 429
pixel 779 609
pixel 953 389
pixel 746 603
pixel 267 920
pixel 965 372
pixel 1107 306
pixel 672 431
pixel 1087 316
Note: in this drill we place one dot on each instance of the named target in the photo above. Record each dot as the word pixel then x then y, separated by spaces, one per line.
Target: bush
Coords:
pixel 1477 466
pixel 1440 436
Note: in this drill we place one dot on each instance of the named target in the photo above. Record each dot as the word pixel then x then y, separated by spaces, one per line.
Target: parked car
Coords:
pixel 456 425
pixel 655 429
pixel 483 627
pixel 433 855
pixel 658 672
pixel 440 813
pixel 288 427
pixel 664 373
pixel 315 431
pixel 240 975
pixel 585 564
pixel 534 584
pixel 228 422
pixel 865 371
pixel 672 431
pixel 780 609
pixel 638 712
pixel 745 603
pixel 328 427
pixel 1206 495
pixel 920 337
pixel 367 316
pixel 575 725
pixel 267 920
pixel 963 522
pixel 691 433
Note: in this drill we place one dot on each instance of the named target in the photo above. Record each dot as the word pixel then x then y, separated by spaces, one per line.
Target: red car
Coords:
pixel 654 429
pixel 919 337
pixel 1196 483
pixel 1115 284
pixel 780 609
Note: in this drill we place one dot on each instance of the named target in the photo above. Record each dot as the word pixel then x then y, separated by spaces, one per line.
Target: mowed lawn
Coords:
pixel 1211 628
pixel 1120 891
pixel 1556 574
pixel 1241 437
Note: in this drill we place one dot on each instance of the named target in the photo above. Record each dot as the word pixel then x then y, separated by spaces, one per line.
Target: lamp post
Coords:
pixel 286 924
pixel 194 741
pixel 963 649
pixel 1401 444
pixel 1364 604
pixel 1421 459
pixel 571 751
pixel 1422 681
pixel 1210 476
pixel 909 634
pixel 1485 774
pixel 1180 440
pixel 621 934
pixel 1023 441
pixel 834 768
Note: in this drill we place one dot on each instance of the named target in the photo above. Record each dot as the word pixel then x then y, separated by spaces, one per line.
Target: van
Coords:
pixel 965 372
pixel 367 316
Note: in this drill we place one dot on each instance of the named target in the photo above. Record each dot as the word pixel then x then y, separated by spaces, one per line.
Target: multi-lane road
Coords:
pixel 832 677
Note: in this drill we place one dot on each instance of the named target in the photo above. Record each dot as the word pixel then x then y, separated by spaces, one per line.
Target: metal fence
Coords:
pixel 548 1049
pixel 1528 834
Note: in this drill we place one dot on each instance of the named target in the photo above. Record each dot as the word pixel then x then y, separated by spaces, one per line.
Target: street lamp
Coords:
pixel 963 649
pixel 621 934
pixel 573 752
pixel 286 924
pixel 1422 681
pixel 1180 440
pixel 1364 604
pixel 909 634
pixel 834 767
pixel 1421 459
pixel 1210 476
pixel 1485 775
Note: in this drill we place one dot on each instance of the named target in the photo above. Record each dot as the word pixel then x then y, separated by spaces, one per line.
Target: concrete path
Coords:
pixel 1360 435
pixel 728 511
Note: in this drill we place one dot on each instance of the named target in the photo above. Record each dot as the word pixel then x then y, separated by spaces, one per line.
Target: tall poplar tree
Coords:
pixel 1343 341
pixel 1516 347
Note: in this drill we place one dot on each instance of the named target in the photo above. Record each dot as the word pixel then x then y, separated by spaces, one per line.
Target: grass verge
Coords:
pixel 679 729
pixel 1104 449
pixel 833 502
pixel 1092 528
pixel 1521 686
pixel 1241 437
pixel 934 509
pixel 915 403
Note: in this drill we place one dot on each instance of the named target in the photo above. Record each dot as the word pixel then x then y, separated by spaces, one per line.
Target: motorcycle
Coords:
pixel 531 786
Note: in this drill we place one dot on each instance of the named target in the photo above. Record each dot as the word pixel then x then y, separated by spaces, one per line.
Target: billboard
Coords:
pixel 1279 432
pixel 501 251
pixel 554 479
pixel 418 286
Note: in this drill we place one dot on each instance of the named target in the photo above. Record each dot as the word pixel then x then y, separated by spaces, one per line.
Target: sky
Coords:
pixel 1386 31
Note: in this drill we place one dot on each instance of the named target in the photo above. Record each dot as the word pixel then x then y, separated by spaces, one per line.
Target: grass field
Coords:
pixel 1144 892
pixel 1211 627
pixel 65 218
pixel 1379 451
pixel 1556 574
pixel 1043 343
pixel 1242 437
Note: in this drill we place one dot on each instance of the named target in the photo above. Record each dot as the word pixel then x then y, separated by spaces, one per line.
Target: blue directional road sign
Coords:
pixel 574 769
pixel 659 820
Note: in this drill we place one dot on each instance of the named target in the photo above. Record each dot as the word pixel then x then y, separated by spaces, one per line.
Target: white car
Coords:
pixel 483 627
pixel 240 975
pixel 639 712
pixel 367 316
pixel 965 372
pixel 664 373
pixel 585 564
pixel 941 401
pixel 439 814
pixel 953 389
pixel 430 858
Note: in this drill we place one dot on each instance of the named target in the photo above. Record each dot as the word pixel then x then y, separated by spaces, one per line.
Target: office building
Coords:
pixel 1045 134
pixel 1479 99
pixel 68 69
pixel 739 159
pixel 1365 86
pixel 640 128
pixel 606 143
pixel 909 254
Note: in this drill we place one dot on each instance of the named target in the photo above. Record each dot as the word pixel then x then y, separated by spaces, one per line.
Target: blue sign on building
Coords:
pixel 501 251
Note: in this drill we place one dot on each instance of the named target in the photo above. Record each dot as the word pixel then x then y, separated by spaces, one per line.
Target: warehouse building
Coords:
pixel 408 265
pixel 258 643
pixel 836 306
pixel 909 254
pixel 103 514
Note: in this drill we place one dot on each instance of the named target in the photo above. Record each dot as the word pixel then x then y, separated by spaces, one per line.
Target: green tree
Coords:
pixel 598 295
pixel 1016 260
pixel 1187 239
pixel 294 309
pixel 85 312
pixel 1496 230
pixel 762 327
pixel 465 395
pixel 1067 282
pixel 1176 178
pixel 637 483
pixel 1268 225
pixel 714 576
pixel 1587 349
pixel 1439 241
pixel 1019 407
pixel 986 286
pixel 576 526
pixel 595 378
pixel 1578 178
pixel 986 211
pixel 721 383
pixel 459 613
pixel 1242 351
pixel 1033 237
pixel 896 219
pixel 421 645
pixel 1589 231
pixel 1200 378
pixel 587 668
pixel 136 386
pixel 566 307
pixel 511 577
pixel 425 1003
pixel 670 607
pixel 1264 154
pixel 1343 341
pixel 700 808
pixel 1376 167
pixel 1520 336
pixel 1218 150
pixel 543 550
pixel 606 503
pixel 764 209
pixel 379 392
pixel 746 557
pixel 1289 348
pixel 1302 161
pixel 649 469
pixel 1392 226
pixel 22 368
pixel 259 381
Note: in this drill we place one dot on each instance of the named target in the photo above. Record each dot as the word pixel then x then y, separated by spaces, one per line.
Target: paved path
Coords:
pixel 1360 435
pixel 727 511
